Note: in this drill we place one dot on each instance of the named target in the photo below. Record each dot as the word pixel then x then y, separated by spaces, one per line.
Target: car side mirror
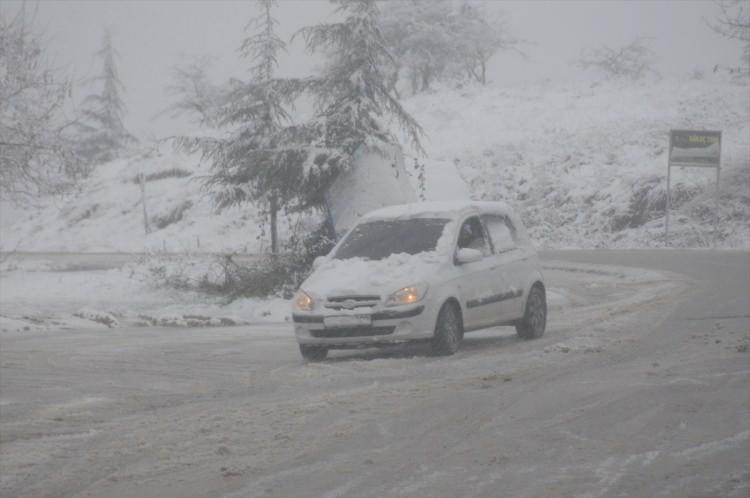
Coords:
pixel 318 261
pixel 468 255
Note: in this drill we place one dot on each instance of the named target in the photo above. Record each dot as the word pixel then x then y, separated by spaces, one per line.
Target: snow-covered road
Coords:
pixel 639 388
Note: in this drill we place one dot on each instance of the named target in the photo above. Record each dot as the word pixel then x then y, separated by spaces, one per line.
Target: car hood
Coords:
pixel 357 276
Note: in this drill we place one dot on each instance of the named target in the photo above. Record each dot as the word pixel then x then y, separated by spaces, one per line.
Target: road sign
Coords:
pixel 693 149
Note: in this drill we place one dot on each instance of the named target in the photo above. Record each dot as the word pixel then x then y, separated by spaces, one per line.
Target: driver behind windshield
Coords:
pixel 471 236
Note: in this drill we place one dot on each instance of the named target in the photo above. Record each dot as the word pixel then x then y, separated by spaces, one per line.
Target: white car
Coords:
pixel 425 271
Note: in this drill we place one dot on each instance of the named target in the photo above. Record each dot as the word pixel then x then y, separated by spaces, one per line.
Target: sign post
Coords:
pixel 693 149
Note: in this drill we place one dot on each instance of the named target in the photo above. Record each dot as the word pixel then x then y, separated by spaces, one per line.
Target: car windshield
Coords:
pixel 379 239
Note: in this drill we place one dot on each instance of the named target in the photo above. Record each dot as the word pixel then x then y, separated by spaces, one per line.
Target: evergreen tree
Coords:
pixel 261 160
pixel 268 159
pixel 103 134
pixel 355 92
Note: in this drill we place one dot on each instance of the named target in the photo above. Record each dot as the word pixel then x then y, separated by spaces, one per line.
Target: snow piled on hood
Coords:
pixel 358 276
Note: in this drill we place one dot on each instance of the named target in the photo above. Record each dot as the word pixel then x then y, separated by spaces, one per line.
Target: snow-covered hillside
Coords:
pixel 106 215
pixel 585 166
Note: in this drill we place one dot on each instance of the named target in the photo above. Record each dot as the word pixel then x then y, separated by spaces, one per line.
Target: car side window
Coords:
pixel 501 232
pixel 472 236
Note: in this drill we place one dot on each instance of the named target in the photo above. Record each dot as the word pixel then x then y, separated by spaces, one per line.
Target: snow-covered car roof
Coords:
pixel 446 209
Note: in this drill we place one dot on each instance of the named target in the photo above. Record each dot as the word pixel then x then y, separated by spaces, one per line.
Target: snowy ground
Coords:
pixel 629 393
pixel 59 291
pixel 53 292
pixel 638 388
pixel 114 387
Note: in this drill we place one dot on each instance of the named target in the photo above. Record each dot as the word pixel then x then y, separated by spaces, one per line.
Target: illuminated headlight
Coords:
pixel 407 295
pixel 303 301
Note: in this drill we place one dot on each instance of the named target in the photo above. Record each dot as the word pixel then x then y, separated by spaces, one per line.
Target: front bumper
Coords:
pixel 387 326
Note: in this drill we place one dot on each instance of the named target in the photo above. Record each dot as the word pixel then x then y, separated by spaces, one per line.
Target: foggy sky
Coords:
pixel 152 36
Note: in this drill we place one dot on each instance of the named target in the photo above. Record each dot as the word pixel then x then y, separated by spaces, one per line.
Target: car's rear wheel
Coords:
pixel 313 353
pixel 534 320
pixel 449 330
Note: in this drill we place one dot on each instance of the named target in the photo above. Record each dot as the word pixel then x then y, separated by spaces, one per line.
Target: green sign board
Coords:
pixel 695 148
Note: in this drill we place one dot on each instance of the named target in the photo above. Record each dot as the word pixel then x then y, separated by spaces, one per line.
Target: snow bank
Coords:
pixel 118 298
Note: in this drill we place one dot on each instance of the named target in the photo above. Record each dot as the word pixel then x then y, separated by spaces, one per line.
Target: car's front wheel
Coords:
pixel 449 330
pixel 534 320
pixel 313 353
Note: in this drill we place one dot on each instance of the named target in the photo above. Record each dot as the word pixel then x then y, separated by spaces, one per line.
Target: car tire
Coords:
pixel 313 353
pixel 449 330
pixel 534 320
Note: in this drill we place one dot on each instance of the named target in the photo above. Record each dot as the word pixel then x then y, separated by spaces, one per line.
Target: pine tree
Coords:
pixel 355 92
pixel 103 134
pixel 260 160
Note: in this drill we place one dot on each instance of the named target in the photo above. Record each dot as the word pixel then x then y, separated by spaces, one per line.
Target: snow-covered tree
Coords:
pixel 194 94
pixel 478 38
pixel 421 35
pixel 262 158
pixel 437 39
pixel 35 156
pixel 733 23
pixel 354 93
pixel 103 134
pixel 633 61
